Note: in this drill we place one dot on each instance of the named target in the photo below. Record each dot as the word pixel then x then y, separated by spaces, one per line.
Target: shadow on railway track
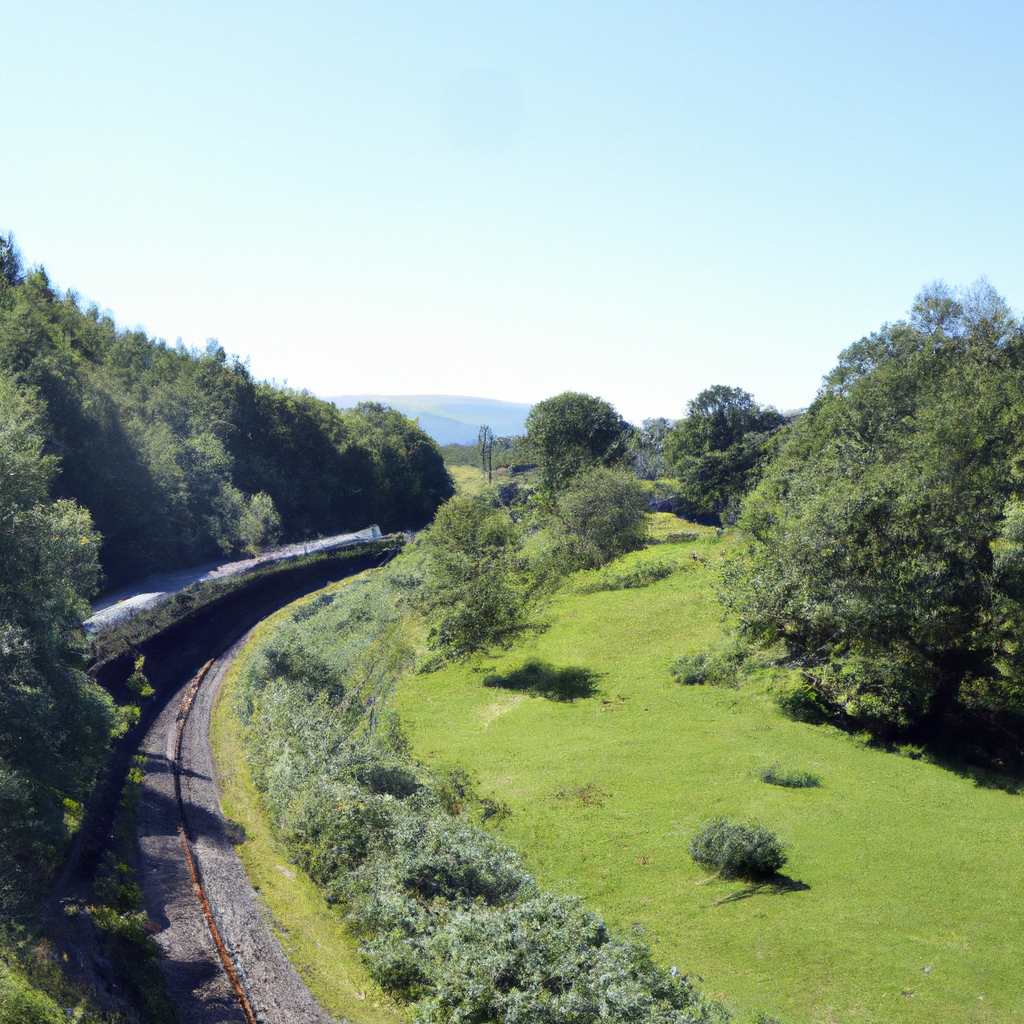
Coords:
pixel 172 656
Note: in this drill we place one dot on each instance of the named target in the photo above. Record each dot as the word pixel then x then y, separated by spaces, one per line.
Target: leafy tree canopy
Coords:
pixel 477 578
pixel 54 722
pixel 180 455
pixel 718 447
pixel 886 538
pixel 573 432
pixel 601 514
pixel 118 448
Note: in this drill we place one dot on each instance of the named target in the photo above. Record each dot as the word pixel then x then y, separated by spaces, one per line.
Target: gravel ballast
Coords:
pixel 196 977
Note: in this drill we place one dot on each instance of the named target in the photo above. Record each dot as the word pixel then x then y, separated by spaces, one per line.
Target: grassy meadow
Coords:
pixel 468 479
pixel 473 480
pixel 897 866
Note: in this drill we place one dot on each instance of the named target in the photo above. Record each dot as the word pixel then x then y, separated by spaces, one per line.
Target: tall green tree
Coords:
pixel 718 448
pixel 179 455
pixel 54 722
pixel 647 448
pixel 573 432
pixel 601 514
pixel 477 579
pixel 885 539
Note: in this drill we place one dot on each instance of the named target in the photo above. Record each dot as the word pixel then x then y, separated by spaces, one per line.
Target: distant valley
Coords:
pixel 450 419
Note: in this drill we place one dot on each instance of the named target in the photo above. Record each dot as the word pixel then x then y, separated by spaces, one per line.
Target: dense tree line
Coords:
pixel 887 536
pixel 181 455
pixel 120 455
pixel 54 723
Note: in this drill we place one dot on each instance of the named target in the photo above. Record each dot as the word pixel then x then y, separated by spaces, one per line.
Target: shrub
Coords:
pixel 477 585
pixel 713 668
pixel 548 961
pixel 690 669
pixel 802 703
pixel 396 965
pixel 719 666
pixel 777 776
pixel 453 787
pixel 459 863
pixel 738 850
pixel 642 574
pixel 603 514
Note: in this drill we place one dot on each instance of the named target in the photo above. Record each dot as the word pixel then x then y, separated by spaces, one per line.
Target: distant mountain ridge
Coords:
pixel 450 419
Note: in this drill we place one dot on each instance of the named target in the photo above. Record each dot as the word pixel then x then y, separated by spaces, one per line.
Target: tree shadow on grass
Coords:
pixel 982 777
pixel 541 679
pixel 774 886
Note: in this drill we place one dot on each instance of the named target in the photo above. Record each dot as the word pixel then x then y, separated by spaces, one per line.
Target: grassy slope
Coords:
pixel 472 479
pixel 317 942
pixel 468 479
pixel 909 866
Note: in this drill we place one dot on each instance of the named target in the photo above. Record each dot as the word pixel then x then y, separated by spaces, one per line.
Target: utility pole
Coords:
pixel 486 441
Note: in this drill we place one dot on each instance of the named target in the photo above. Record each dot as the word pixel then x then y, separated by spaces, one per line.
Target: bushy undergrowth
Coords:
pixel 802 703
pixel 727 663
pixel 716 668
pixel 23 1000
pixel 449 918
pixel 622 577
pixel 738 850
pixel 776 775
pixel 698 669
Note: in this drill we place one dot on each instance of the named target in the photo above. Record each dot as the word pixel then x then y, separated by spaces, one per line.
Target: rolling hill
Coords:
pixel 450 419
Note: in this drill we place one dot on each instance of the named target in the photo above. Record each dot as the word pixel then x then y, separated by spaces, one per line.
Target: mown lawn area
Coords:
pixel 906 865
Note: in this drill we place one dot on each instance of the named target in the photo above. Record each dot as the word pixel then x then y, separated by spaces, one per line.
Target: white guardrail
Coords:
pixel 128 601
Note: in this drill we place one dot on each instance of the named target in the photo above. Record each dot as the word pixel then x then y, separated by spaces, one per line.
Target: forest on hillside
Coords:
pixel 122 455
pixel 180 455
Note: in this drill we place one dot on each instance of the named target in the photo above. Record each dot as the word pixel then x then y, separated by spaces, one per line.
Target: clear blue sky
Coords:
pixel 513 199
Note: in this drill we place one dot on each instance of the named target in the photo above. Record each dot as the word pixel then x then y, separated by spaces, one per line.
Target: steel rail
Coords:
pixel 183 829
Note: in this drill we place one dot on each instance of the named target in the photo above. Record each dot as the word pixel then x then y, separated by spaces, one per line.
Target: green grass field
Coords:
pixel 468 479
pixel 906 865
pixel 472 480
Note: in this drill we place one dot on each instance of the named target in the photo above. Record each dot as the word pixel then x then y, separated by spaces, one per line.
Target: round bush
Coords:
pixel 717 668
pixel 776 775
pixel 738 850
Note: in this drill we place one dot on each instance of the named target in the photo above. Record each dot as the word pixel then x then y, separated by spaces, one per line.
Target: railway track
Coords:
pixel 222 960
pixel 218 942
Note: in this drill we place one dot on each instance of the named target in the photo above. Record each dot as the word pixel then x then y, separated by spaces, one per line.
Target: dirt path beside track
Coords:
pixel 196 975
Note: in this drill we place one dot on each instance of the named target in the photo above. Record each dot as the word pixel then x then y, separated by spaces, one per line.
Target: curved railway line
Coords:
pixel 222 961
pixel 211 923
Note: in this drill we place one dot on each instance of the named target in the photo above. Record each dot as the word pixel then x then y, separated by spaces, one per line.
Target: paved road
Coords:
pixel 196 975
